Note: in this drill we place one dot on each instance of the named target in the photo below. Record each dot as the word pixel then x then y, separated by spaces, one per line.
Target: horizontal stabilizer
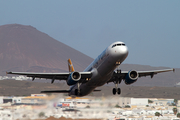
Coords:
pixel 96 90
pixel 56 91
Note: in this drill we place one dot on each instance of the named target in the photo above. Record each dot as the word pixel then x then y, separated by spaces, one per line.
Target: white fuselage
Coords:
pixel 102 68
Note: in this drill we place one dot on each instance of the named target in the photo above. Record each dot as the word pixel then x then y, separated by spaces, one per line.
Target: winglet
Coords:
pixel 70 66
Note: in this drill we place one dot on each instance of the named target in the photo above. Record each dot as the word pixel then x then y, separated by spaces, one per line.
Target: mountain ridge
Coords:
pixel 23 48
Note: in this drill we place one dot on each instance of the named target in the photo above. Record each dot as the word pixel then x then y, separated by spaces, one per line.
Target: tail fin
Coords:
pixel 70 66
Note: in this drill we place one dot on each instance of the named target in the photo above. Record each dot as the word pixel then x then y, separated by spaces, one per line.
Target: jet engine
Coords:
pixel 131 77
pixel 73 78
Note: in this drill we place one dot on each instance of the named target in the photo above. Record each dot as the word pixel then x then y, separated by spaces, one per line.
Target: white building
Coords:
pixel 16 100
pixel 162 102
pixel 139 101
pixel 1 100
pixel 123 101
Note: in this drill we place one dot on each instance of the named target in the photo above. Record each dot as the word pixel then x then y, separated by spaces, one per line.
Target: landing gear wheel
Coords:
pixel 76 91
pixel 79 92
pixel 116 82
pixel 114 91
pixel 119 91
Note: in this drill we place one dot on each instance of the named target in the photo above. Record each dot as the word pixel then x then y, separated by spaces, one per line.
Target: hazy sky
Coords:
pixel 150 29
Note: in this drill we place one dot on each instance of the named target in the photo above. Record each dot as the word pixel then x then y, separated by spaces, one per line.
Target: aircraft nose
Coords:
pixel 124 50
pixel 122 53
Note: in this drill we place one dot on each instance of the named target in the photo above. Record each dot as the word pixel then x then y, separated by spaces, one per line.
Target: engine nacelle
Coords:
pixel 73 78
pixel 131 77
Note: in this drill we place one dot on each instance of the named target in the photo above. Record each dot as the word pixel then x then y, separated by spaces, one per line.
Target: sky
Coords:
pixel 149 28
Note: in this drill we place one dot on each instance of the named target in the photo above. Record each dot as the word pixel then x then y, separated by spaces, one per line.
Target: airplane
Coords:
pixel 101 71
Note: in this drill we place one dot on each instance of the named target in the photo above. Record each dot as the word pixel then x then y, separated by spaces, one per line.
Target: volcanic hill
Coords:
pixel 24 48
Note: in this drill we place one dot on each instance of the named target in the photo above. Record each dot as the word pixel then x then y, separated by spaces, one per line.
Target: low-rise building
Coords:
pixel 34 99
pixel 123 101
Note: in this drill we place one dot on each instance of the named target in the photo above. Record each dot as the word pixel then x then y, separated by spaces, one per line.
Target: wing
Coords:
pixel 152 73
pixel 62 91
pixel 53 76
pixel 119 75
pixel 56 91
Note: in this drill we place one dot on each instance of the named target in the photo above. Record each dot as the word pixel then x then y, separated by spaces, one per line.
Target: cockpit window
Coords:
pixel 114 45
pixel 118 45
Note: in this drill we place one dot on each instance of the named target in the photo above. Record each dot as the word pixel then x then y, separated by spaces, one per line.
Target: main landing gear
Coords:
pixel 116 89
pixel 77 92
pixel 117 81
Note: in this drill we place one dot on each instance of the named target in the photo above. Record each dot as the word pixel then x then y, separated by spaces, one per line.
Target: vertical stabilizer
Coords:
pixel 70 66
